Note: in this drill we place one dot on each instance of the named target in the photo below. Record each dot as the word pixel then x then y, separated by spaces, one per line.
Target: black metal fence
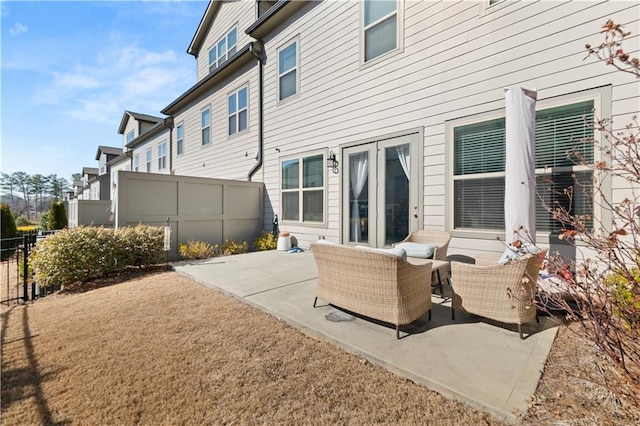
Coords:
pixel 17 283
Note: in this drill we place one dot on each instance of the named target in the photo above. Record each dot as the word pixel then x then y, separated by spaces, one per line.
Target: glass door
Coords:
pixel 381 191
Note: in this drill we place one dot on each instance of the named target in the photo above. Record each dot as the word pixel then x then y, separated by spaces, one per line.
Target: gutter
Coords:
pixel 257 49
pixel 168 123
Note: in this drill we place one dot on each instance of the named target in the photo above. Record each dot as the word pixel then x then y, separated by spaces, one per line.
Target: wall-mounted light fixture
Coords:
pixel 332 162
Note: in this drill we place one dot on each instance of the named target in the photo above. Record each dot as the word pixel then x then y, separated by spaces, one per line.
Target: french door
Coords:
pixel 380 191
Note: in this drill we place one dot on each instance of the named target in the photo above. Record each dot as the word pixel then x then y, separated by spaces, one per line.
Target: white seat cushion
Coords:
pixel 419 250
pixel 401 253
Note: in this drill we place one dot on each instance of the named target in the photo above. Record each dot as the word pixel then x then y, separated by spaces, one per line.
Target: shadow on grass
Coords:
pixel 26 382
pixel 117 278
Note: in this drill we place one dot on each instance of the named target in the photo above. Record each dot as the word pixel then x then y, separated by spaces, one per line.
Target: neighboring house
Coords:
pixel 367 120
pixel 82 187
pixel 104 156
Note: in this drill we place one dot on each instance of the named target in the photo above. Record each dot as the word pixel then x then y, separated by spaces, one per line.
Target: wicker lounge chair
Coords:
pixel 373 284
pixel 503 293
pixel 434 237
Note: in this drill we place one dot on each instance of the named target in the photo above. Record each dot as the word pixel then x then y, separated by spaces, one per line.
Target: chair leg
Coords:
pixel 453 314
pixel 397 332
pixel 440 283
pixel 429 314
pixel 537 319
pixel 520 331
pixel 314 302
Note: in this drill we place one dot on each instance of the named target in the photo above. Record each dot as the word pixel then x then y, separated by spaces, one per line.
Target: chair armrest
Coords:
pixel 487 259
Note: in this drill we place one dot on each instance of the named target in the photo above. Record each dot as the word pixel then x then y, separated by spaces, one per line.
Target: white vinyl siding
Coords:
pixel 288 70
pixel 162 156
pixel 148 163
pixel 237 108
pixel 223 49
pixel 479 165
pixel 205 125
pixel 303 188
pixel 180 139
pixel 380 28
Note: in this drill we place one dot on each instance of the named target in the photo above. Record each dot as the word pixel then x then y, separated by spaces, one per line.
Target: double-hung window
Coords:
pixel 136 162
pixel 303 189
pixel 149 160
pixel 162 156
pixel 479 168
pixel 205 123
pixel 223 49
pixel 288 70
pixel 130 136
pixel 238 110
pixel 180 138
pixel 380 28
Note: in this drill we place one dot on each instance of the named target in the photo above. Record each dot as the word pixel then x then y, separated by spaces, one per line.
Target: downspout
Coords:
pixel 257 49
pixel 168 123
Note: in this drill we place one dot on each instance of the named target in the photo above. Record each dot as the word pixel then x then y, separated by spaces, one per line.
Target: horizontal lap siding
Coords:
pixel 241 13
pixel 455 63
pixel 141 151
pixel 226 157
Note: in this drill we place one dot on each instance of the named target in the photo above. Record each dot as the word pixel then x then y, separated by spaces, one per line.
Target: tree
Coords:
pixel 606 286
pixel 57 216
pixel 57 186
pixel 8 184
pixel 37 185
pixel 22 183
pixel 7 230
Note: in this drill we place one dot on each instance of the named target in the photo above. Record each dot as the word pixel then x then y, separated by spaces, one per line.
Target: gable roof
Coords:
pixel 89 171
pixel 165 125
pixel 136 116
pixel 203 28
pixel 109 150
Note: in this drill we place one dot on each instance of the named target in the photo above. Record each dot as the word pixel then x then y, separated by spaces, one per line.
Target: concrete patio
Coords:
pixel 483 364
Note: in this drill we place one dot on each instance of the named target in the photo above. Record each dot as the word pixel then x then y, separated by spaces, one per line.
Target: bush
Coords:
pixel 197 250
pixel 57 216
pixel 22 221
pixel 265 241
pixel 85 253
pixel 44 221
pixel 8 230
pixel 230 247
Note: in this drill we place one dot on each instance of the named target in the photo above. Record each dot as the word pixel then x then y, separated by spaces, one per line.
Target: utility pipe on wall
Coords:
pixel 256 48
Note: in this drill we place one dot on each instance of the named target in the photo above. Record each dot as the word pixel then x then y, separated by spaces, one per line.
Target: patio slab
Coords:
pixel 482 364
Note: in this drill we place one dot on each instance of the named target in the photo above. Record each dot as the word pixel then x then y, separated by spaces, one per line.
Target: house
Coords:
pixel 104 156
pixel 367 120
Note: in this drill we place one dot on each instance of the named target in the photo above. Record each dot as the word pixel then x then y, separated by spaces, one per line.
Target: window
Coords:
pixel 288 78
pixel 380 30
pixel 237 109
pixel 130 136
pixel 180 138
pixel 223 49
pixel 149 160
pixel 162 156
pixel 206 126
pixel 136 162
pixel 302 192
pixel 479 168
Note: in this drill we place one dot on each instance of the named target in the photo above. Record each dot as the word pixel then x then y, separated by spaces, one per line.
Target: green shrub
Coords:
pixel 57 216
pixel 230 247
pixel 85 253
pixel 265 241
pixel 21 269
pixel 44 221
pixel 23 221
pixel 193 249
pixel 7 230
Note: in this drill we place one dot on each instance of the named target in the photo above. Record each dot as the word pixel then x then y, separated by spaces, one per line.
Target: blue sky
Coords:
pixel 70 69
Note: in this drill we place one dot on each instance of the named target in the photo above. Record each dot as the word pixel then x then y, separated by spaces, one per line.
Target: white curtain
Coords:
pixel 403 152
pixel 359 172
pixel 519 192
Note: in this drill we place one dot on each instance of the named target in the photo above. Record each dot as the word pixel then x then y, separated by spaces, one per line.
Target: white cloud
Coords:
pixel 18 29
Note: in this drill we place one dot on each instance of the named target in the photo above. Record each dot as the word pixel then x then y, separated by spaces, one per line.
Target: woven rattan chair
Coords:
pixel 503 293
pixel 373 284
pixel 438 238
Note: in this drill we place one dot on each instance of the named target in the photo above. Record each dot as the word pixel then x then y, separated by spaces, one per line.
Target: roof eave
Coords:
pixel 203 28
pixel 238 60
pixel 274 17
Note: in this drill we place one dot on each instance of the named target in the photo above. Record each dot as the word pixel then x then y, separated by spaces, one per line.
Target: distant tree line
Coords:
pixel 31 195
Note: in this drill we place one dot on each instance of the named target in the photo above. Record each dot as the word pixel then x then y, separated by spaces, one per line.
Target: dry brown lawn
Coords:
pixel 162 349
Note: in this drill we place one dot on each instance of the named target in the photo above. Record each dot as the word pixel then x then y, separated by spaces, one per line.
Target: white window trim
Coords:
pixel 180 141
pixel 148 159
pixel 601 98
pixel 301 189
pixel 227 55
pixel 133 135
pixel 202 144
pixel 295 40
pixel 237 112
pixel 162 155
pixel 399 34
pixel 487 8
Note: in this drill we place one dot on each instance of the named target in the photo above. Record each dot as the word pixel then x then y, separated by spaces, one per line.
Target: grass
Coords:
pixel 161 349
